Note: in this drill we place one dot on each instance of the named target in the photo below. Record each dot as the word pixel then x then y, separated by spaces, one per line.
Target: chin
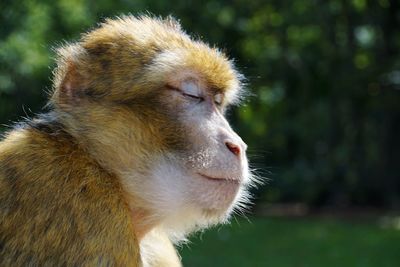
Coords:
pixel 214 196
pixel 186 201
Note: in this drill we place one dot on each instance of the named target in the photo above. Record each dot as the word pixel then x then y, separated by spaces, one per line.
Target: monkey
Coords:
pixel 133 154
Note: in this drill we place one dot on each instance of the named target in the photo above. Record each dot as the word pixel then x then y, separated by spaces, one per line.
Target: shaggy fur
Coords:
pixel 110 176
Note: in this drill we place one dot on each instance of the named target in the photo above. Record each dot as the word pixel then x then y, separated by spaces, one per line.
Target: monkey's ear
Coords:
pixel 70 83
pixel 71 87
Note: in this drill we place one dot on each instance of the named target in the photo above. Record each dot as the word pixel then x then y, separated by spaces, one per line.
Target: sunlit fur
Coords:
pixel 124 127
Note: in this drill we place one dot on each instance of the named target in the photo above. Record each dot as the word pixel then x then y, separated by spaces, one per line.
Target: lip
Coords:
pixel 220 179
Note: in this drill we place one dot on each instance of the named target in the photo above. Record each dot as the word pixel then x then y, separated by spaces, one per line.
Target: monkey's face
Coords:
pixel 147 103
pixel 205 176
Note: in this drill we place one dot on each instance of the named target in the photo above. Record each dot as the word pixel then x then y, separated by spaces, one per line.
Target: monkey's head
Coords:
pixel 147 102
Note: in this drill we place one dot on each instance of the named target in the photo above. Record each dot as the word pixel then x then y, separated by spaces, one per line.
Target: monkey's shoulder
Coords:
pixel 57 206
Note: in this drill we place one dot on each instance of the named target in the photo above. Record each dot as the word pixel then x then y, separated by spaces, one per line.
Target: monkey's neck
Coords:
pixel 143 222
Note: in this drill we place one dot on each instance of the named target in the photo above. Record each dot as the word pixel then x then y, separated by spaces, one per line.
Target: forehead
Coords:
pixel 207 66
pixel 164 50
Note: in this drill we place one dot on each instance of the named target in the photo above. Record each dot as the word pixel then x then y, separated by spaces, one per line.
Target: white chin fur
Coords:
pixel 184 203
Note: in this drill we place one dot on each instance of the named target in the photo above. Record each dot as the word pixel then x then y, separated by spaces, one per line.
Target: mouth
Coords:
pixel 220 179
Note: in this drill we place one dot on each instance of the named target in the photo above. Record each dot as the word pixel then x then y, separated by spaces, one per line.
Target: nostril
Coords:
pixel 235 149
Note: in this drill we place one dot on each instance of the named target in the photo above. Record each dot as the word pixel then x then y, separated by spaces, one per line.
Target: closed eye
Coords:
pixel 218 99
pixel 196 97
pixel 191 90
pixel 189 95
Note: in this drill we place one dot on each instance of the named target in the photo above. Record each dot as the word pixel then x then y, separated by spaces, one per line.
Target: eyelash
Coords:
pixel 194 97
pixel 199 98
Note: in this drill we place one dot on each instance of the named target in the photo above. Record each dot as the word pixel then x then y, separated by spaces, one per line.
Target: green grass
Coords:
pixel 284 242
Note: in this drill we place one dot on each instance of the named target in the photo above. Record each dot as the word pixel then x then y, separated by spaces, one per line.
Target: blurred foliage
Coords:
pixel 324 115
pixel 288 242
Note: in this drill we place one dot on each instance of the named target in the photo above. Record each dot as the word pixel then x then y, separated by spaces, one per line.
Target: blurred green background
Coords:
pixel 322 119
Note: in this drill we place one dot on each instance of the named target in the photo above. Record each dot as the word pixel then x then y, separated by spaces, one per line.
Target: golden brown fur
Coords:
pixel 69 180
pixel 58 206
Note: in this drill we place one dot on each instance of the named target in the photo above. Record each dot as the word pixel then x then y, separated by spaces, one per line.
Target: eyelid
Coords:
pixel 218 98
pixel 189 93
pixel 191 89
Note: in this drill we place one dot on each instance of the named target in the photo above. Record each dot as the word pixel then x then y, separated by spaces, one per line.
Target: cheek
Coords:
pixel 165 186
pixel 202 150
pixel 201 130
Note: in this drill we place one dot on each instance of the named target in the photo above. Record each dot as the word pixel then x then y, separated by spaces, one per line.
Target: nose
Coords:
pixel 232 140
pixel 234 148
